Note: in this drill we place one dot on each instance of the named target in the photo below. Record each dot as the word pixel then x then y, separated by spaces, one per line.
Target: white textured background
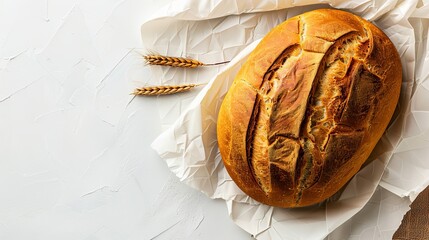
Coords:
pixel 75 160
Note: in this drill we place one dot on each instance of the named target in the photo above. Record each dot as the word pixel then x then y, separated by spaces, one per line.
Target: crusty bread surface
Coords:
pixel 308 107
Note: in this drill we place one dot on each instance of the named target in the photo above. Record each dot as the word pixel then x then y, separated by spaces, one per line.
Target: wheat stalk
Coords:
pixel 163 90
pixel 156 59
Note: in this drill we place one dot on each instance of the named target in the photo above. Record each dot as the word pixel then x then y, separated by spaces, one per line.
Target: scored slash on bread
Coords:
pixel 307 107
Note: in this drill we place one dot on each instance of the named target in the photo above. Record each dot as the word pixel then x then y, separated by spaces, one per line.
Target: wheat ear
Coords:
pixel 155 59
pixel 163 90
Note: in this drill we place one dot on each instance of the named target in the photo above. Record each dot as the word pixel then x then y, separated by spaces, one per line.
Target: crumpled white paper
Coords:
pixel 220 30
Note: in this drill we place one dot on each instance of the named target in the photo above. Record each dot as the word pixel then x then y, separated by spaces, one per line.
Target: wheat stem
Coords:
pixel 156 59
pixel 214 64
pixel 163 90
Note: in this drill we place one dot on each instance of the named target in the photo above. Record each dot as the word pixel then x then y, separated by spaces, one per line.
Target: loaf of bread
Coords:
pixel 308 107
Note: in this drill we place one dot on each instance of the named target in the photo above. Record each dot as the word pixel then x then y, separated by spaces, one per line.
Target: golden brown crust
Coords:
pixel 307 107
